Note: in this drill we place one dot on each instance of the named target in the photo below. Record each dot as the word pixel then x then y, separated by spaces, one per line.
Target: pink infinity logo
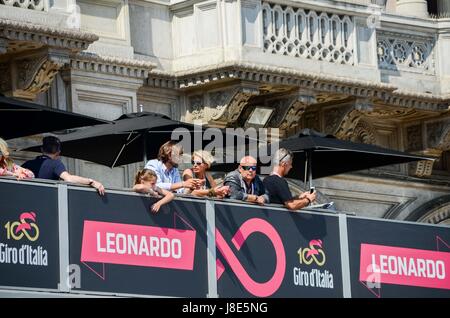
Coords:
pixel 249 227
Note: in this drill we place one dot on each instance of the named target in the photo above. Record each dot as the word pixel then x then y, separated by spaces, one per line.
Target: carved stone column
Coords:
pixel 416 8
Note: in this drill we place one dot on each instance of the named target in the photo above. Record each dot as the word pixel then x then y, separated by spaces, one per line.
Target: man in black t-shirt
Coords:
pixel 278 187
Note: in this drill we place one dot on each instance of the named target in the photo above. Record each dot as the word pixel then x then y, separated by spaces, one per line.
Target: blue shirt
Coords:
pixel 165 177
pixel 45 167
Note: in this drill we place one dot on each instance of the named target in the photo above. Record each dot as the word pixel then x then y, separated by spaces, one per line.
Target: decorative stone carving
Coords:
pixel 265 89
pixel 3 46
pixel 281 106
pixel 398 50
pixel 424 168
pixel 326 98
pixel 364 133
pixel 333 117
pixel 348 124
pixel 390 113
pixel 5 78
pixel 25 76
pixel 414 138
pixel 438 141
pixel 437 133
pixel 309 34
pixel 36 53
pixel 218 102
pixel 196 107
pixel 437 215
pixel 293 116
pixel 312 120
pixel 288 79
pixel 30 34
pixel 34 76
pixel 231 113
pixel 294 110
pixel 38 5
pixel 342 121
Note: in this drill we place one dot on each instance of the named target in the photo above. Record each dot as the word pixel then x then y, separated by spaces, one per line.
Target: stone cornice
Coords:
pixel 55 37
pixel 111 65
pixel 387 93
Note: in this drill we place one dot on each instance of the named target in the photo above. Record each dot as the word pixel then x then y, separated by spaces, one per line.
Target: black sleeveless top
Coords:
pixel 207 183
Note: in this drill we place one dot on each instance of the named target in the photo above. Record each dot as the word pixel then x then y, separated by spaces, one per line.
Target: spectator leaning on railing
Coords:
pixel 201 161
pixel 8 167
pixel 278 187
pixel 49 166
pixel 145 182
pixel 166 168
pixel 244 184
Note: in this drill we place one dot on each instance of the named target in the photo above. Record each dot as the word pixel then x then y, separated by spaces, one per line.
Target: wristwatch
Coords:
pixel 91 181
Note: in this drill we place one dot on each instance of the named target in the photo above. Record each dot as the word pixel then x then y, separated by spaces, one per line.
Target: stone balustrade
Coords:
pixel 309 34
pixel 38 5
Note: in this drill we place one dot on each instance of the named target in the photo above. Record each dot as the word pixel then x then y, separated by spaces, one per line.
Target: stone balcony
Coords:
pixel 353 39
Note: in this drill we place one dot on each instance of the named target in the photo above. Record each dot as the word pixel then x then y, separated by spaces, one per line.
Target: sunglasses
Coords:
pixel 252 168
pixel 196 163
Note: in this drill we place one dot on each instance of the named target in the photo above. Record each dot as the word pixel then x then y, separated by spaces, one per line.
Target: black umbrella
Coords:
pixel 129 139
pixel 19 119
pixel 317 155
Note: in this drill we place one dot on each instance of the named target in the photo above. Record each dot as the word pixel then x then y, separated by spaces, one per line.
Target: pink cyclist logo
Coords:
pixel 249 227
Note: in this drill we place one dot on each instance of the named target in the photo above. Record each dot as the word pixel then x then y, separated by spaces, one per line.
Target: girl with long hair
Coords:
pixel 145 182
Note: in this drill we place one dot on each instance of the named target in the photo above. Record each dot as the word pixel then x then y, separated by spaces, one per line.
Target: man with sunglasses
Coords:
pixel 278 187
pixel 244 184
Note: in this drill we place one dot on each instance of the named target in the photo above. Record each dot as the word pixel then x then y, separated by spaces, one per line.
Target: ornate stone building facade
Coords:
pixel 371 71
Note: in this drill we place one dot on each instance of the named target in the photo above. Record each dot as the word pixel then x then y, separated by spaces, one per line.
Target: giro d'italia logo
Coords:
pixel 313 253
pixel 25 227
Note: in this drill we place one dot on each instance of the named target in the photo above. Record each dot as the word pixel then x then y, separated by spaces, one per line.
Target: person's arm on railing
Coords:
pixel 82 180
pixel 236 192
pixel 167 197
pixel 302 201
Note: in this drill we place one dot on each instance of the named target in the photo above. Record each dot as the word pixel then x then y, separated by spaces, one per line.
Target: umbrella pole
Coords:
pixel 306 168
pixel 145 149
pixel 121 150
pixel 310 168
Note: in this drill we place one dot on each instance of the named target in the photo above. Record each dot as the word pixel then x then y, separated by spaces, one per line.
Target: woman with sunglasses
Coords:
pixel 201 161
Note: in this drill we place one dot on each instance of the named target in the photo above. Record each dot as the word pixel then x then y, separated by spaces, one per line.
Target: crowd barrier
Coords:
pixel 64 239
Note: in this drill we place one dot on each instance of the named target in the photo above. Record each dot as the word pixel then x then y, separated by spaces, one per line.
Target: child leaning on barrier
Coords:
pixel 145 182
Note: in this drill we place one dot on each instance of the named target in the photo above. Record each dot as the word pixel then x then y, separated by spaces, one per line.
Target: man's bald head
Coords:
pixel 248 161
pixel 247 168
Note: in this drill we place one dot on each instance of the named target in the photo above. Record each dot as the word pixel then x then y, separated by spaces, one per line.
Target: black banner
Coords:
pixel 29 250
pixel 393 259
pixel 264 252
pixel 122 247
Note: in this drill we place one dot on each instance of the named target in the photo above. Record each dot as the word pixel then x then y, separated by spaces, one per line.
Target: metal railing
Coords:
pixel 71 241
